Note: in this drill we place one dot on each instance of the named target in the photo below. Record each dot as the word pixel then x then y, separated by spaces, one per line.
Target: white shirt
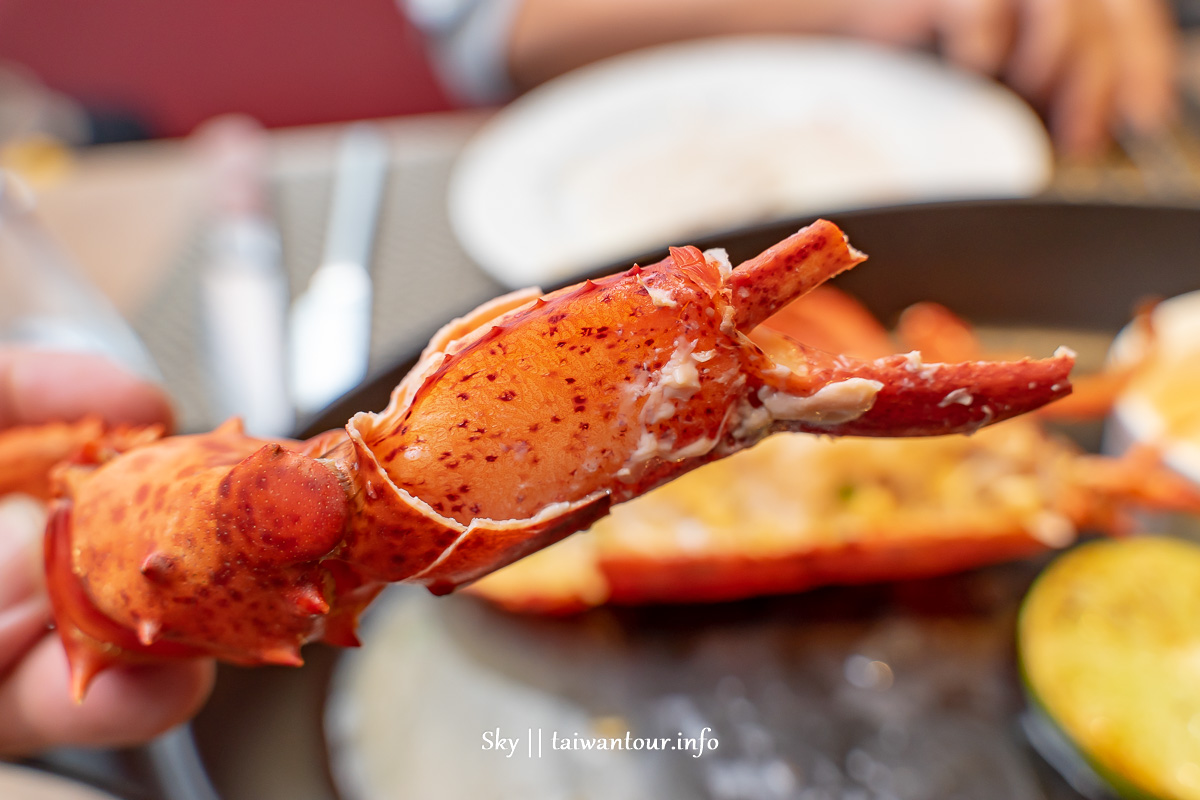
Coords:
pixel 468 41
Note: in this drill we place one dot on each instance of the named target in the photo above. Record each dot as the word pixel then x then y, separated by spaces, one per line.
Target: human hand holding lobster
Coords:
pixel 126 705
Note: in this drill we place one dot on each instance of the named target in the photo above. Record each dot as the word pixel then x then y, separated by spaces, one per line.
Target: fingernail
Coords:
pixel 22 522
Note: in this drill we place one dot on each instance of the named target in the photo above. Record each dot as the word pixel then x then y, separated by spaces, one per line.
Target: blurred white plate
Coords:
pixel 655 147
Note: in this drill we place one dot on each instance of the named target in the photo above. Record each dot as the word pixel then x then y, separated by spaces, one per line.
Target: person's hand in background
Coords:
pixel 1093 67
pixel 125 705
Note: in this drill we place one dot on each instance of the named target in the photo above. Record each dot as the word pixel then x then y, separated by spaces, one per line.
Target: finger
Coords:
pixel 40 386
pixel 1046 31
pixel 22 523
pixel 124 706
pixel 1082 105
pixel 24 608
pixel 22 624
pixel 1147 55
pixel 976 34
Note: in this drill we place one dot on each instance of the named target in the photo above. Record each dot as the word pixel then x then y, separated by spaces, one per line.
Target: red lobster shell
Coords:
pixel 523 422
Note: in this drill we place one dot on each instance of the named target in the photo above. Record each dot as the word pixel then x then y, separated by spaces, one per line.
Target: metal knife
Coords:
pixel 331 319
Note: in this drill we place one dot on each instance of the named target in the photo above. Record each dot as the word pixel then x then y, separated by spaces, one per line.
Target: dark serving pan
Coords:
pixel 897 690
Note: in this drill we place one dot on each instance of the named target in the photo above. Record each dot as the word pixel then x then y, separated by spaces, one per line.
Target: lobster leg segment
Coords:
pixel 766 283
pixel 93 640
pixel 195 545
pixel 900 395
pixel 936 399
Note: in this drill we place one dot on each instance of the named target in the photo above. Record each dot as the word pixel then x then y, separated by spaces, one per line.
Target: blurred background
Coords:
pixel 144 70
pixel 99 105
pixel 140 69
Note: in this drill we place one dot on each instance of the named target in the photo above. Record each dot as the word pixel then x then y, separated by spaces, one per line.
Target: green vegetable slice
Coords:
pixel 1109 640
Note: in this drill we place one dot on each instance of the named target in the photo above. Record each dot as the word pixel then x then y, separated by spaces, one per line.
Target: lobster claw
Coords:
pixel 808 390
pixel 523 422
pixel 536 408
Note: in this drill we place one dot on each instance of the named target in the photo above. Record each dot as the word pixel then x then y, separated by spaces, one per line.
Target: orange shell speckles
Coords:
pixel 523 422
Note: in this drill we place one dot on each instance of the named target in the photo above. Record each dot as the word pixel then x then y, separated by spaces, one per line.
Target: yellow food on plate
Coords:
pixel 801 510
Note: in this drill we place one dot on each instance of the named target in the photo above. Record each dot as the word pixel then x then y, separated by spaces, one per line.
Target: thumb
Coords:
pixel 40 386
pixel 24 607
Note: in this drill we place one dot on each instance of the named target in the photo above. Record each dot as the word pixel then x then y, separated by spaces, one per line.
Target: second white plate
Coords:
pixel 654 147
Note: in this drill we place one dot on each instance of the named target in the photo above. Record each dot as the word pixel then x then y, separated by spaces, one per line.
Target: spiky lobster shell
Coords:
pixel 522 423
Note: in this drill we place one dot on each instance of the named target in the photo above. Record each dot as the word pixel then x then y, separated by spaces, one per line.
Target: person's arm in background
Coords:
pixel 1094 67
pixel 123 706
